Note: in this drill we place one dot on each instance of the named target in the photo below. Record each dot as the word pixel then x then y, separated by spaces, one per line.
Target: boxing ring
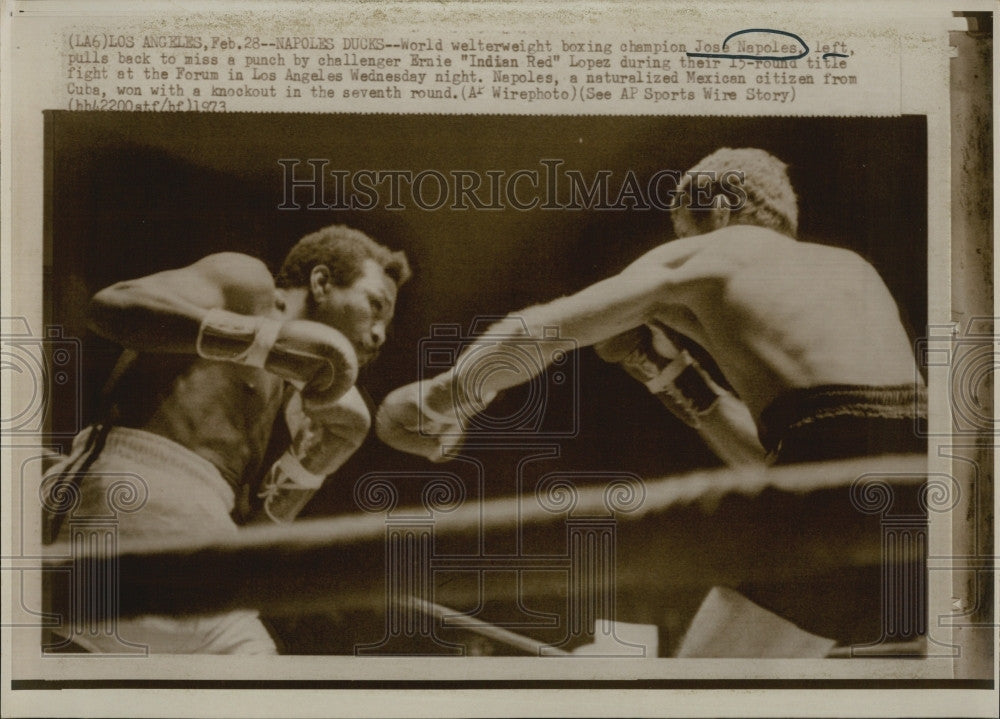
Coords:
pixel 621 549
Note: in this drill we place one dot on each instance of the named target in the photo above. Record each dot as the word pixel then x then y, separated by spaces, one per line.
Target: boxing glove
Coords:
pixel 424 418
pixel 671 374
pixel 323 438
pixel 302 351
pixel 684 387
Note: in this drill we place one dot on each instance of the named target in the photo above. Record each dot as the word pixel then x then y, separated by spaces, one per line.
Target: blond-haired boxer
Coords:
pixel 807 335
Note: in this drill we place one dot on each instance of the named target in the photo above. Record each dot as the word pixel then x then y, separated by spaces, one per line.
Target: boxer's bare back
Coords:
pixel 778 314
pixel 775 314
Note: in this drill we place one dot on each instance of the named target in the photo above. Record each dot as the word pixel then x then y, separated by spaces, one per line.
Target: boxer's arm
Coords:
pixel 588 317
pixel 220 308
pixel 729 431
pixel 421 418
pixel 720 418
pixel 163 312
pixel 686 389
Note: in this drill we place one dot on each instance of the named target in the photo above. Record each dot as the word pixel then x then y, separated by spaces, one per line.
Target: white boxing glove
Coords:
pixel 424 418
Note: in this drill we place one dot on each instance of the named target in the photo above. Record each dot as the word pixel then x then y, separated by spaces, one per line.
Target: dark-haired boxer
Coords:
pixel 807 335
pixel 215 353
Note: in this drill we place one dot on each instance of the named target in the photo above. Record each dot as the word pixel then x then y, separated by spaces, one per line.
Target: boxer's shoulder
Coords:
pixel 235 268
pixel 244 280
pixel 669 255
pixel 835 261
pixel 729 249
pixel 738 238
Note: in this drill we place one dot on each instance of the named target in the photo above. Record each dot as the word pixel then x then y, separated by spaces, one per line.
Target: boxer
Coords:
pixel 214 353
pixel 807 335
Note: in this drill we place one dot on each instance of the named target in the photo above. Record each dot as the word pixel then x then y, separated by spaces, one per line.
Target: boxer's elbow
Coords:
pixel 109 309
pixel 142 317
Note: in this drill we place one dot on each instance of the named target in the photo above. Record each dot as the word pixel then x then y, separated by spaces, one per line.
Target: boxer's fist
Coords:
pixel 326 433
pixel 316 357
pixel 324 436
pixel 617 348
pixel 420 418
pixel 310 354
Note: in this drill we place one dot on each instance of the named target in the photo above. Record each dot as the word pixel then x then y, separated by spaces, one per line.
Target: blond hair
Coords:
pixel 770 200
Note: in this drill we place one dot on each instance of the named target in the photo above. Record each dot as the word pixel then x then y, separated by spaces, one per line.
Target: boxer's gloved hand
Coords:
pixel 670 373
pixel 617 348
pixel 318 358
pixel 423 418
pixel 636 352
pixel 316 353
pixel 324 436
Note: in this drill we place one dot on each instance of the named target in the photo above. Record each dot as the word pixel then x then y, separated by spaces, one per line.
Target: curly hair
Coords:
pixel 770 199
pixel 343 250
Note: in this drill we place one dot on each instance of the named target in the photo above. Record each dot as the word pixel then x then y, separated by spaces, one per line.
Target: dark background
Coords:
pixel 130 194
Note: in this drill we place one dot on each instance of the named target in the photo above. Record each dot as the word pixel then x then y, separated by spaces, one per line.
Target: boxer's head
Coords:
pixel 350 282
pixel 719 197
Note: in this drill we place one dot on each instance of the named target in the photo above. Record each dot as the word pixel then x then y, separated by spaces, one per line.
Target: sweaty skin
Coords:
pixel 777 314
pixel 221 411
pixel 774 313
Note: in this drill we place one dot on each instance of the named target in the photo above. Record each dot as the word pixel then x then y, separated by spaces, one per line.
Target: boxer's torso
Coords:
pixel 778 314
pixel 220 411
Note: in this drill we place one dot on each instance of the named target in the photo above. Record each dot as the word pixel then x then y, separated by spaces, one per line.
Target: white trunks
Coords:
pixel 185 495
